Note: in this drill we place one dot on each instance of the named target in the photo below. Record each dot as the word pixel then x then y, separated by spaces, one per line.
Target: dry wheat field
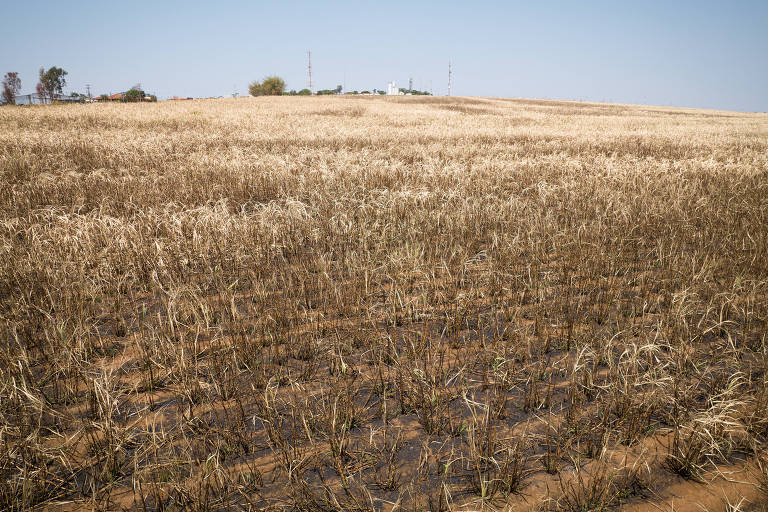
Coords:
pixel 371 303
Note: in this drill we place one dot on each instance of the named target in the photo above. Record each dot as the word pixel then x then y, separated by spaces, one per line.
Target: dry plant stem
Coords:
pixel 368 303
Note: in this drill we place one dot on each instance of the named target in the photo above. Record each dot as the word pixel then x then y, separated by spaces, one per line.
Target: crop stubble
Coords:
pixel 377 303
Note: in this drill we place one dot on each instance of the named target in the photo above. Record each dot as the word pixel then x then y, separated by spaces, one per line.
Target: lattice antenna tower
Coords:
pixel 449 77
pixel 309 70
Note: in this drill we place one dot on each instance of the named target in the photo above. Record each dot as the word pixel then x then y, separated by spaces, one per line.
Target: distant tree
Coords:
pixel 104 97
pixel 153 98
pixel 415 92
pixel 304 92
pixel 11 87
pixel 270 86
pixel 133 95
pixel 41 92
pixel 255 89
pixel 337 90
pixel 51 82
pixel 273 86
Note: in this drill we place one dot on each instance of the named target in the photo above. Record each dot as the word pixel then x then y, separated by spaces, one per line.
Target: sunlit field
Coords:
pixel 383 303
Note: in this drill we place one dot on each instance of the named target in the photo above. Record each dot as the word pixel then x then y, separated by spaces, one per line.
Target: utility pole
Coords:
pixel 449 77
pixel 309 70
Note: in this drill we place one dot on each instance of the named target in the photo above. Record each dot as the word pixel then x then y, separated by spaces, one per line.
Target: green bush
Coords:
pixel 270 86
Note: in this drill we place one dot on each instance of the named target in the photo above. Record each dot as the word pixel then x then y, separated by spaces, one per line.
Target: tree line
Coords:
pixel 275 86
pixel 51 84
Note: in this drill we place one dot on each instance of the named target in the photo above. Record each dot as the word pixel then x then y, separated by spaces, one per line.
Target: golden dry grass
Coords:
pixel 382 304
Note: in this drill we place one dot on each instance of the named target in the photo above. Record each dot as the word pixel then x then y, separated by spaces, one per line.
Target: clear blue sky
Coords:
pixel 685 53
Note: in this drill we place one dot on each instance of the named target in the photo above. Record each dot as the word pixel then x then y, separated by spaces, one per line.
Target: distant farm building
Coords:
pixel 37 99
pixel 392 89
